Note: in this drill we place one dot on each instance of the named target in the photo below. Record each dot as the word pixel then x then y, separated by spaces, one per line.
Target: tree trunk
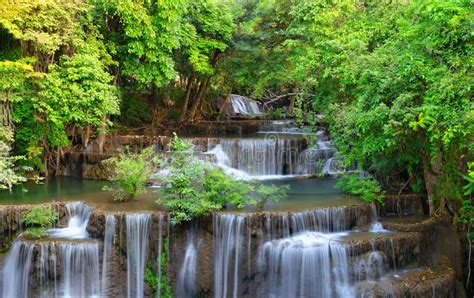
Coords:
pixel 6 115
pixel 86 133
pixel 184 110
pixel 197 98
pixel 101 135
pixel 430 174
pixel 202 87
pixel 222 107
pixel 291 107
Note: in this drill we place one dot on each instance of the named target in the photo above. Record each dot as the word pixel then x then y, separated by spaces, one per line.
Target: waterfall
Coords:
pixel 48 269
pixel 334 219
pixel 186 283
pixel 137 244
pixel 376 226
pixel 306 265
pixel 260 156
pixel 271 157
pixel 371 267
pixel 17 269
pixel 80 269
pixel 108 241
pixel 223 162
pixel 244 106
pixel 160 248
pixel 78 218
pixel 228 229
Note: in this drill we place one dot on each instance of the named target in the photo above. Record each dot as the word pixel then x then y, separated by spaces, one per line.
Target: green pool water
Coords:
pixel 304 194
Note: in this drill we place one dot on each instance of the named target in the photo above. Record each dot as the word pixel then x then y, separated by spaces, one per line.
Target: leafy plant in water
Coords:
pixel 368 189
pixel 39 218
pixel 130 173
pixel 193 188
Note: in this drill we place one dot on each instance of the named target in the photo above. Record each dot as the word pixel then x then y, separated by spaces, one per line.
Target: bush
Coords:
pixel 39 218
pixel 368 189
pixel 130 173
pixel 192 188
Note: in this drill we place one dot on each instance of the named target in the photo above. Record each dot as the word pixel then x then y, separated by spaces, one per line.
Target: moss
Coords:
pixel 152 278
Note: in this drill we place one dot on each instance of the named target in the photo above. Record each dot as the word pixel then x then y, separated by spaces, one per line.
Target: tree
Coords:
pixel 192 188
pixel 130 171
pixel 395 82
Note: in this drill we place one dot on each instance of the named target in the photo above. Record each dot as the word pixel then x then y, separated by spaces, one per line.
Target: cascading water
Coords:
pixel 48 269
pixel 306 265
pixel 78 218
pixel 376 226
pixel 137 245
pixel 160 248
pixel 80 269
pixel 323 220
pixel 262 157
pixel 16 270
pixel 273 157
pixel 108 241
pixel 186 283
pixel 228 230
pixel 244 106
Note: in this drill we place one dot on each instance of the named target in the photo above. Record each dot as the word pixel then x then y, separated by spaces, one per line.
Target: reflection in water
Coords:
pixel 304 194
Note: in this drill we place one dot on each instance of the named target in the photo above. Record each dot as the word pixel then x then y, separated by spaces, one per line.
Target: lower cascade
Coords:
pixel 137 245
pixel 108 241
pixel 77 274
pixel 228 229
pixel 328 252
pixel 80 269
pixel 186 283
pixel 17 269
pixel 306 265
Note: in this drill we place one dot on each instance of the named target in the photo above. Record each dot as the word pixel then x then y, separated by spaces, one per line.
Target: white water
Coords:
pixel 376 226
pixel 186 283
pixel 80 269
pixel 48 268
pixel 228 230
pixel 78 218
pixel 244 106
pixel 17 269
pixel 306 265
pixel 160 248
pixel 334 219
pixel 137 246
pixel 224 163
pixel 109 234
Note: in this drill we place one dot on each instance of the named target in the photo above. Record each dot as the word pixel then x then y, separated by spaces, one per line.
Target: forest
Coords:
pixel 394 79
pixel 391 82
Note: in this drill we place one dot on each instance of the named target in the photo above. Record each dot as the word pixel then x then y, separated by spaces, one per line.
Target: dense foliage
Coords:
pixel 39 219
pixel 368 189
pixel 192 188
pixel 394 78
pixel 130 171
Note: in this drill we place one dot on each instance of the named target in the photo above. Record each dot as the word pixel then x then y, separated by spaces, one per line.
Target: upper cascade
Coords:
pixel 238 105
pixel 78 218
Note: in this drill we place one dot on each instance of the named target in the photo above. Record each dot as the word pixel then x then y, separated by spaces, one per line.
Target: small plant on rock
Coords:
pixel 39 219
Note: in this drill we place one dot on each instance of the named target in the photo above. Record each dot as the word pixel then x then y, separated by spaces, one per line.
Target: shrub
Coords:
pixel 192 188
pixel 130 173
pixel 368 189
pixel 39 218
